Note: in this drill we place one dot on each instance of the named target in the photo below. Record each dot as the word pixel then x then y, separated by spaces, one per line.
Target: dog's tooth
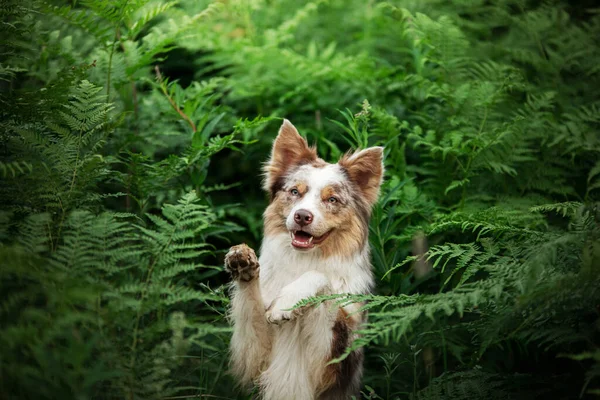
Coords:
pixel 292 235
pixel 310 240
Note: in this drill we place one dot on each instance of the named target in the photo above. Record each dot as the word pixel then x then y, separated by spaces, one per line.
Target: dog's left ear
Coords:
pixel 289 150
pixel 365 169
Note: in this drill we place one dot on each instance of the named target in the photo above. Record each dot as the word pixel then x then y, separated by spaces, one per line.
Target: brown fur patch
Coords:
pixel 340 380
pixel 331 190
pixel 276 212
pixel 289 150
pixel 365 170
pixel 347 238
pixel 351 221
pixel 319 163
pixel 302 188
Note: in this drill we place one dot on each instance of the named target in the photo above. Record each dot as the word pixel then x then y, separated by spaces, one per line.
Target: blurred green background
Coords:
pixel 132 137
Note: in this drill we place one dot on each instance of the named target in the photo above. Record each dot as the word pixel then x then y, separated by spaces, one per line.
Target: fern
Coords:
pixel 15 168
pixel 139 274
pixel 129 131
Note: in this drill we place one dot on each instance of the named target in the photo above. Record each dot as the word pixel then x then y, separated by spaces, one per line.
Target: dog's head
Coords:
pixel 320 205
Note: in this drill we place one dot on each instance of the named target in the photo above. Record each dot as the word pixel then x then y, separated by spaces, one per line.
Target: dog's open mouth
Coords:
pixel 304 240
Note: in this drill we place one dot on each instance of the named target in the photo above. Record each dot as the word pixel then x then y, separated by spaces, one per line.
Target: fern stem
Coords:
pixel 415 375
pixel 110 58
pixel 163 87
pixel 62 218
pixel 142 299
pixel 73 178
pixel 468 167
pixel 75 166
pixel 460 164
pixel 485 115
pixel 112 51
pixel 137 325
pixel 444 351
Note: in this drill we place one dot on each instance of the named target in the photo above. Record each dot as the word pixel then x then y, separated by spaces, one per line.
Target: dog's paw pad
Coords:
pixel 241 263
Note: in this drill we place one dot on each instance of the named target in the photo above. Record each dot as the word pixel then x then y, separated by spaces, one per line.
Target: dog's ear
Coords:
pixel 365 170
pixel 289 150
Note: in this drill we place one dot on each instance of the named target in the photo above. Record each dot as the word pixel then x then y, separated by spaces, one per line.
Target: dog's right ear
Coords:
pixel 289 150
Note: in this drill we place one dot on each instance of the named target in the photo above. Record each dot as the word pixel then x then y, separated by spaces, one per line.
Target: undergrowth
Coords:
pixel 132 134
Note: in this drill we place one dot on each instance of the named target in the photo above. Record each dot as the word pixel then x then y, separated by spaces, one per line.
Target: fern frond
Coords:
pixel 566 209
pixel 15 168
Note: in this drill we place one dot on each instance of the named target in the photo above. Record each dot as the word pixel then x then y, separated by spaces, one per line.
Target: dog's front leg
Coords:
pixel 250 342
pixel 320 334
pixel 311 283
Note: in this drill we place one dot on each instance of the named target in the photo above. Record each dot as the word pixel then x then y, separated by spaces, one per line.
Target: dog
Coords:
pixel 316 229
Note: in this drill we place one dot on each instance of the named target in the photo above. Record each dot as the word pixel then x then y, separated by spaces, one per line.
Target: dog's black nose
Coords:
pixel 303 217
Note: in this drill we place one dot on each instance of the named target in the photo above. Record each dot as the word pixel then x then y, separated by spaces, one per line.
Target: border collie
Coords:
pixel 315 243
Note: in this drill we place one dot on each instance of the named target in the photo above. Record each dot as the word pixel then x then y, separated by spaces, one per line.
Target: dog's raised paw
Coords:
pixel 241 263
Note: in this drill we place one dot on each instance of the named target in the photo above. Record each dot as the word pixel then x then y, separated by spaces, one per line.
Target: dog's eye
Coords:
pixel 295 192
pixel 332 199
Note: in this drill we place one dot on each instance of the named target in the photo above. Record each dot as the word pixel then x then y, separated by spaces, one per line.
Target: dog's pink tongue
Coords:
pixel 302 240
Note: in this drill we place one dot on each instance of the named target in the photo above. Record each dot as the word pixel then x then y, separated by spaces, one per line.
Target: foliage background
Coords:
pixel 133 131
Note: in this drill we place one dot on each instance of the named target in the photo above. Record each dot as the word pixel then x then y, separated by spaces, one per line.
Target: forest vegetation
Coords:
pixel 131 140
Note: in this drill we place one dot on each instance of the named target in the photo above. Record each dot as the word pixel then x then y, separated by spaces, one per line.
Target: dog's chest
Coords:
pixel 280 265
pixel 278 272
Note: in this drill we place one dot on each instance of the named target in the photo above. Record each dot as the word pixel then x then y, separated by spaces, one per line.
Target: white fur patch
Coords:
pixel 311 283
